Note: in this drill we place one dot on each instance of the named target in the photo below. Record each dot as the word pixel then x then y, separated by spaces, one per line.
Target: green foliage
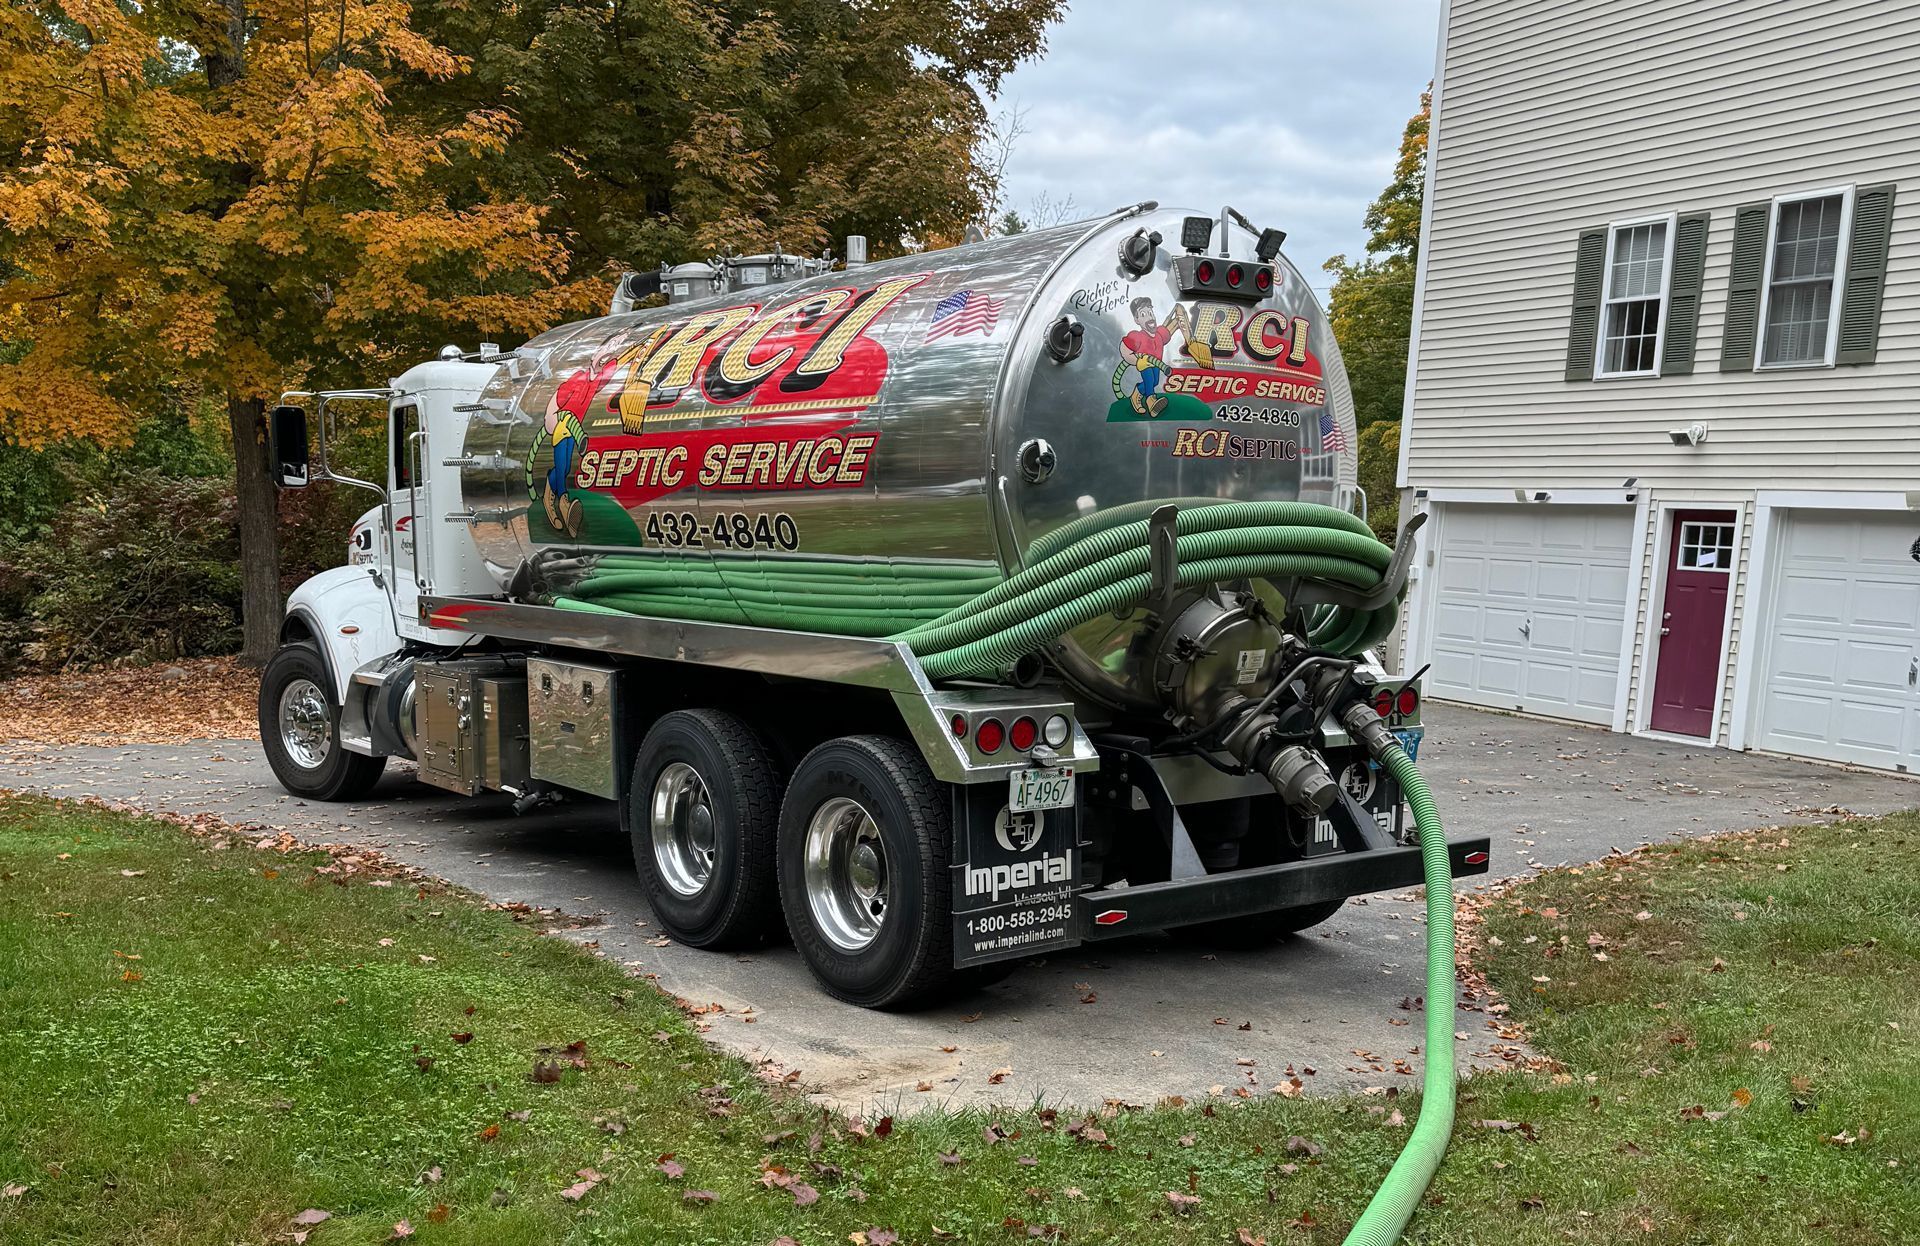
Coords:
pixel 1371 308
pixel 1379 460
pixel 140 565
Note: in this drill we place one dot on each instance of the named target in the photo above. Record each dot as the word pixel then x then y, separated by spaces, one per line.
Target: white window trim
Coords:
pixel 1839 276
pixel 1672 221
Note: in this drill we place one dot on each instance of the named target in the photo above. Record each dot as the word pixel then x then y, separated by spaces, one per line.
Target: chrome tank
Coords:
pixel 906 442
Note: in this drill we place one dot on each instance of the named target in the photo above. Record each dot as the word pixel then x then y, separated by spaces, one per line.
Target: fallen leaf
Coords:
pixel 312 1215
pixel 951 1158
pixel 463 1038
pixel 673 1169
pixel 1182 1203
pixel 1742 1097
pixel 439 1214
pixel 401 1228
pixel 490 1133
pixel 133 873
pixel 12 1189
pixel 998 1076
pixel 804 1195
pixel 701 1197
pixel 1245 1237
pixel 432 1175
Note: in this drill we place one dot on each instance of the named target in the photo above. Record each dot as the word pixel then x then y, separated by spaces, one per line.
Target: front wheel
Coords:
pixel 865 838
pixel 300 730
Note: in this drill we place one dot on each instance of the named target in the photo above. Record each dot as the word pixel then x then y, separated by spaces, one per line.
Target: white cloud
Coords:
pixel 1290 112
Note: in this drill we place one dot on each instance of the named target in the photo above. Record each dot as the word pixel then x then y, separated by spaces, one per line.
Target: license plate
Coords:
pixel 1410 741
pixel 1040 787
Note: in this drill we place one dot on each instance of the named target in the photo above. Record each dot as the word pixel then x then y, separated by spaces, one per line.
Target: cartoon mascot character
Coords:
pixel 566 433
pixel 1145 349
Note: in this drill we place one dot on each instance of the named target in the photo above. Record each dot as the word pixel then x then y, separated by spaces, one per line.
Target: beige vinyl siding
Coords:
pixel 1556 117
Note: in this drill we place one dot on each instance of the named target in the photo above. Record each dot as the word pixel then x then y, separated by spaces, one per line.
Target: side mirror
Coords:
pixel 288 434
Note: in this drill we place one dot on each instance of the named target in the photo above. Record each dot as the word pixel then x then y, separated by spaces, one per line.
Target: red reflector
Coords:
pixel 1263 280
pixel 1235 276
pixel 1408 701
pixel 1204 273
pixel 1025 732
pixel 350 629
pixel 959 726
pixel 1112 917
pixel 1475 858
pixel 989 736
pixel 1383 703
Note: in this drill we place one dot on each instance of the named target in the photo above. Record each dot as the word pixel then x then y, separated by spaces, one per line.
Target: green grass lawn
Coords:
pixel 201 1043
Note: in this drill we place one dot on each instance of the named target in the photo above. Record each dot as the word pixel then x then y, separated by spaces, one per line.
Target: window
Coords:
pixel 1806 255
pixel 1706 547
pixel 1634 298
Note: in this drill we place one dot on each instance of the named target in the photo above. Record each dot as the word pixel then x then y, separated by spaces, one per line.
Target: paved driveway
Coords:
pixel 1167 1019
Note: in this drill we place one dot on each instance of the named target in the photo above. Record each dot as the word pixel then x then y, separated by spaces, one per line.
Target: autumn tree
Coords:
pixel 228 198
pixel 216 197
pixel 670 131
pixel 1372 304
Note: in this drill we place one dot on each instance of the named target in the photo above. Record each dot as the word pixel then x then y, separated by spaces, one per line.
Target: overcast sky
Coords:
pixel 1290 111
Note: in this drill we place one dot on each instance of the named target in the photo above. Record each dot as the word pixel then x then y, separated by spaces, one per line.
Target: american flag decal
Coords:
pixel 1332 440
pixel 963 312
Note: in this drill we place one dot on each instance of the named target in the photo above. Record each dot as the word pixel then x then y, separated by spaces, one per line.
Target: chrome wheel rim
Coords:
pixel 306 724
pixel 846 874
pixel 684 837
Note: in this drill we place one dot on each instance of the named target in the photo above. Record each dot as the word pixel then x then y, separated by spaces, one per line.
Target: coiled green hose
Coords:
pixel 1393 1204
pixel 964 620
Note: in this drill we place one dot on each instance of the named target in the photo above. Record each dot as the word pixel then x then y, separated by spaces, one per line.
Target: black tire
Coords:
pixel 908 961
pixel 335 775
pixel 731 904
pixel 1258 930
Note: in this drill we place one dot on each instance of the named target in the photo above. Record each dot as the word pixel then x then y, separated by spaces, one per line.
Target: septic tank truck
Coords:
pixel 956 608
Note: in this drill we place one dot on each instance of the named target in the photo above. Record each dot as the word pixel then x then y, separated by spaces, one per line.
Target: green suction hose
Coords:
pixel 1394 1202
pixel 964 620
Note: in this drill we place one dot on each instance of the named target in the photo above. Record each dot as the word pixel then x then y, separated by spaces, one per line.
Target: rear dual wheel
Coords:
pixel 703 810
pixel 865 838
pixel 855 854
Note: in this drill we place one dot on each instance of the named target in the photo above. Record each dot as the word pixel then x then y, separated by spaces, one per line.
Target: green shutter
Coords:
pixel 1749 269
pixel 1584 327
pixel 1866 274
pixel 1683 294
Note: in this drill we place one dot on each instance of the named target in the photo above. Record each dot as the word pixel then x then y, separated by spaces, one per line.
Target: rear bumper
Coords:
pixel 1109 913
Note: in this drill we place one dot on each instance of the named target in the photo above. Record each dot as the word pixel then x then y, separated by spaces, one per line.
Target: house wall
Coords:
pixel 1556 117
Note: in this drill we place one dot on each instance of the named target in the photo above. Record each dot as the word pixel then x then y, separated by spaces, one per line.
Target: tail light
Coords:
pixel 1235 275
pixel 959 725
pixel 1204 273
pixel 989 736
pixel 1025 731
pixel 1407 702
pixel 1263 280
pixel 1383 703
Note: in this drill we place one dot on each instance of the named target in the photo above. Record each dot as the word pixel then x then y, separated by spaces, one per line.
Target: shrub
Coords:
pixel 142 567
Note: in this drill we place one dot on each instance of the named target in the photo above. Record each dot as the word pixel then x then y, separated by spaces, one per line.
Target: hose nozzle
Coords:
pixel 1364 725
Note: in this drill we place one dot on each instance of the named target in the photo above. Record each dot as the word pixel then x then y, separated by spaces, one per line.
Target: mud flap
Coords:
pixel 1014 877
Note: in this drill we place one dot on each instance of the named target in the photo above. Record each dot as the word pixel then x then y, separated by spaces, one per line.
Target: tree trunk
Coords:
pixel 260 604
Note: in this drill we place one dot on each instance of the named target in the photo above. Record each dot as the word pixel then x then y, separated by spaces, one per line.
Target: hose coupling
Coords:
pixel 1363 724
pixel 1302 780
pixel 1295 771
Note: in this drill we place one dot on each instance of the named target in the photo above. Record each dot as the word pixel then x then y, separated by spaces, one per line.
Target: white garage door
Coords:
pixel 1530 607
pixel 1843 655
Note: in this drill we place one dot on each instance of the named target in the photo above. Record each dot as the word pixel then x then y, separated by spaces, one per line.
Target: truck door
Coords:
pixel 410 508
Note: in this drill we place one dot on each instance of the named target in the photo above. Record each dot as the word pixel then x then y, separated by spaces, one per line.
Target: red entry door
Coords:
pixel 1700 559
